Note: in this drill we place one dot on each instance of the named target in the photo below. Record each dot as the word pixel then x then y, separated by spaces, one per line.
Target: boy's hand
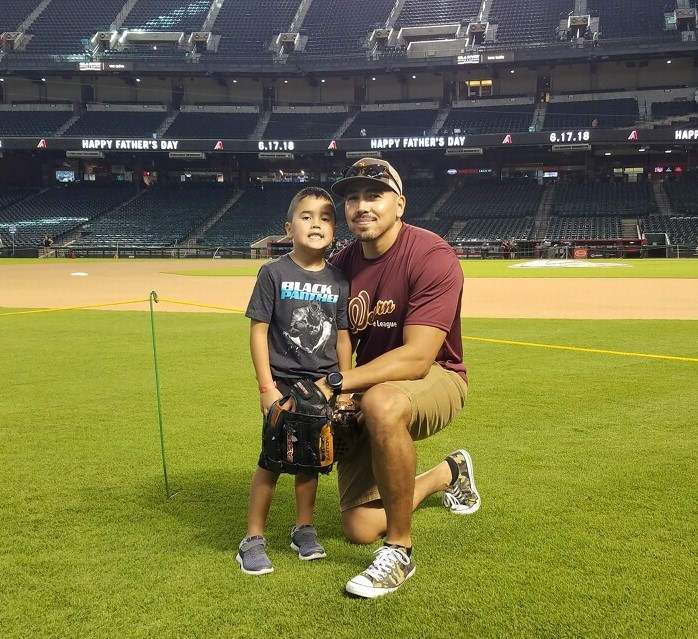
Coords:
pixel 268 398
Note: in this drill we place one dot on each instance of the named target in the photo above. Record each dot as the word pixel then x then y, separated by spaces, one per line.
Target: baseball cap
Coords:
pixel 371 169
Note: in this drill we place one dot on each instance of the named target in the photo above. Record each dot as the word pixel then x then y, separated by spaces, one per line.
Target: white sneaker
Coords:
pixel 389 570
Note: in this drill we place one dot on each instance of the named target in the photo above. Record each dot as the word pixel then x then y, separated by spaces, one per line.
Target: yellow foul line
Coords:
pixel 577 349
pixel 73 308
pixel 218 308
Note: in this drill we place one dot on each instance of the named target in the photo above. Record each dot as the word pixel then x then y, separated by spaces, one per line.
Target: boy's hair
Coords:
pixel 308 191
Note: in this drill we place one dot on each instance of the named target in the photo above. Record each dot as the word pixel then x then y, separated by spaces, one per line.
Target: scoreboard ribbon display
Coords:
pixel 583 137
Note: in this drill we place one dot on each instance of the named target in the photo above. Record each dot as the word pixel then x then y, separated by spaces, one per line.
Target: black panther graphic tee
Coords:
pixel 304 310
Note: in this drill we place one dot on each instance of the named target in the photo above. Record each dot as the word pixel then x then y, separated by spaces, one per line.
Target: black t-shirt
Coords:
pixel 304 310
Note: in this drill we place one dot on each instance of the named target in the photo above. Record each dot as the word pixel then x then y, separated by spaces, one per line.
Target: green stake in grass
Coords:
pixel 154 298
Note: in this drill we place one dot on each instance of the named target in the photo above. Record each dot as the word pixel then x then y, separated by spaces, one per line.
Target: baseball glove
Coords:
pixel 297 431
pixel 346 428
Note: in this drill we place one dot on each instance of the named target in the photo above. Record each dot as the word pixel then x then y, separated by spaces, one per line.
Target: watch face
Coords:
pixel 334 380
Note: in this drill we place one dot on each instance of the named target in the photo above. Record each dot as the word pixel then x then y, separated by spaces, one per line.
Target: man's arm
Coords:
pixel 412 360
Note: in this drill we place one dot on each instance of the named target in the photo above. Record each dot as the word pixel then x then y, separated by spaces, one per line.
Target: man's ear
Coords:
pixel 401 202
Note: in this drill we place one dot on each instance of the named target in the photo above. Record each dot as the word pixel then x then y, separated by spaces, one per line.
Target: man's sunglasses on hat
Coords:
pixel 374 171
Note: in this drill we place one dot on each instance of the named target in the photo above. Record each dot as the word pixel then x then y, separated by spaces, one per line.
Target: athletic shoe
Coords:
pixel 252 556
pixel 304 541
pixel 389 570
pixel 462 497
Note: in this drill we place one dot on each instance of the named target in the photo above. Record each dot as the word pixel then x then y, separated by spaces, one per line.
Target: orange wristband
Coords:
pixel 267 387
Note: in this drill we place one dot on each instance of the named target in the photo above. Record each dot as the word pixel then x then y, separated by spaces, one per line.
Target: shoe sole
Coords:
pixel 368 592
pixel 262 571
pixel 476 506
pixel 315 555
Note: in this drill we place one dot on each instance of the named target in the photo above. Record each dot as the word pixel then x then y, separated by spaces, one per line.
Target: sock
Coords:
pixel 407 551
pixel 454 469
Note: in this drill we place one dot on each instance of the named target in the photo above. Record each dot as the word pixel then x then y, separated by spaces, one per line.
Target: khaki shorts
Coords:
pixel 435 400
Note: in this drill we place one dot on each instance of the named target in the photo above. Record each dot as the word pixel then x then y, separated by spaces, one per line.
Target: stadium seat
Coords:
pixel 609 114
pixel 412 122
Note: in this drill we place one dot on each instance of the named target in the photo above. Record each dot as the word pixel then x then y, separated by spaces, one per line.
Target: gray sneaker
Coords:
pixel 390 569
pixel 252 556
pixel 462 497
pixel 304 541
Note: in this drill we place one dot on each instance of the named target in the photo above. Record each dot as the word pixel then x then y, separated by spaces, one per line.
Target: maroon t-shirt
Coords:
pixel 418 280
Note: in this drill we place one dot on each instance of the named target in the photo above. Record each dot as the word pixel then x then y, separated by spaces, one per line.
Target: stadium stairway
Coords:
pixel 629 228
pixel 258 131
pixel 345 125
pixel 539 115
pixel 123 14
pixel 193 237
pixel 662 199
pixel 453 233
pixel 542 220
pixel 73 237
pixel 440 119
pixel 166 123
pixel 64 127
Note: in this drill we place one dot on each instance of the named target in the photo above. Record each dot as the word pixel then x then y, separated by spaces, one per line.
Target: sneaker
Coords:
pixel 462 497
pixel 304 541
pixel 389 570
pixel 252 556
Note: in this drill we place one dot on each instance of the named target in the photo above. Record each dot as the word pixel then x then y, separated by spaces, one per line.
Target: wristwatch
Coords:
pixel 335 381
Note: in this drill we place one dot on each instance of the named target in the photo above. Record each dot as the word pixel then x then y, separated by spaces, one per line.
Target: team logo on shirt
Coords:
pixel 361 315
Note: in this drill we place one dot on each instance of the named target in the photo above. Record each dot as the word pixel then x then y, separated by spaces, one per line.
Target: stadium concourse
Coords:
pixel 541 128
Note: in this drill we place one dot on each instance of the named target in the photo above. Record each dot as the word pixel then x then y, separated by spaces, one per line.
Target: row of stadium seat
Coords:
pixel 247 27
pixel 165 215
pixel 414 122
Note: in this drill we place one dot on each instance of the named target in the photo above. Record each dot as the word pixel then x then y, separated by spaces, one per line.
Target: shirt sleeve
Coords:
pixel 342 304
pixel 261 305
pixel 436 290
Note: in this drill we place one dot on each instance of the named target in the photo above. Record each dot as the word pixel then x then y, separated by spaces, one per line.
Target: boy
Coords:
pixel 298 313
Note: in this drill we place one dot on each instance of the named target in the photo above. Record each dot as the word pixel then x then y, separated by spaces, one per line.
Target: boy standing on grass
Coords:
pixel 298 313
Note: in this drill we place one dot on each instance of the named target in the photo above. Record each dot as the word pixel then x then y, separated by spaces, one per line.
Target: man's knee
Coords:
pixel 384 405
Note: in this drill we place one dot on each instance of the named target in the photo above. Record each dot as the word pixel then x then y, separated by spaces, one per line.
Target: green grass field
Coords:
pixel 585 463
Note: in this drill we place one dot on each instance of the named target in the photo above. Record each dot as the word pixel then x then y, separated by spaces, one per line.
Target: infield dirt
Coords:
pixel 78 283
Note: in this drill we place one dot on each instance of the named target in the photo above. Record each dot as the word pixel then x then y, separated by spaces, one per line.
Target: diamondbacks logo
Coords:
pixel 360 316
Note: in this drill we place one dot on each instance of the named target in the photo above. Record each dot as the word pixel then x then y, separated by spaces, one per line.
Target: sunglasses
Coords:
pixel 374 171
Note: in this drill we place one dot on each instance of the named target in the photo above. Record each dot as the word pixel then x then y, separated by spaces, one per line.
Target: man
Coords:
pixel 404 311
